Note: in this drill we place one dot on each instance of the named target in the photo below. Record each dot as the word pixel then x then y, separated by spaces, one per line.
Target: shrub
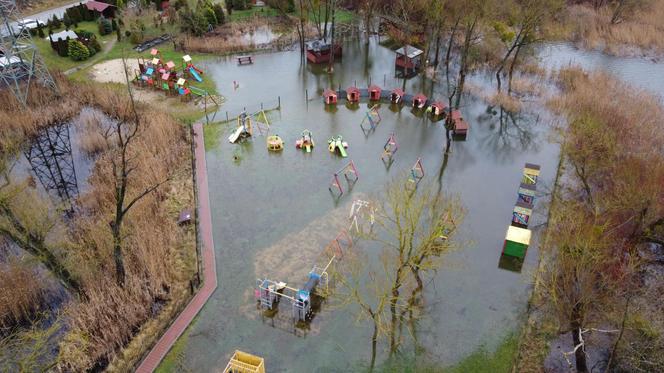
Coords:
pixel 94 43
pixel 40 31
pixel 105 26
pixel 219 13
pixel 78 51
pixel 55 22
pixel 240 4
pixel 135 37
pixel 84 34
pixel 114 25
pixel 67 21
pixel 193 22
pixel 91 50
pixel 210 16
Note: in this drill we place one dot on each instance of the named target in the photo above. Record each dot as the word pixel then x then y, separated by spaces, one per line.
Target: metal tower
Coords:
pixel 51 159
pixel 20 62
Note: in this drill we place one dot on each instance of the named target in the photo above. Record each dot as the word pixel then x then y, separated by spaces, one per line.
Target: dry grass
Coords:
pixel 641 33
pixel 20 296
pixel 159 255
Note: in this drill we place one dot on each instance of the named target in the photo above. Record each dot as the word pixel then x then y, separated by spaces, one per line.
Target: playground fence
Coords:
pixel 266 106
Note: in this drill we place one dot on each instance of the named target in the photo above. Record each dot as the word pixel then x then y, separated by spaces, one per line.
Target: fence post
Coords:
pixel 306 95
pixel 384 79
pixel 279 102
pixel 227 116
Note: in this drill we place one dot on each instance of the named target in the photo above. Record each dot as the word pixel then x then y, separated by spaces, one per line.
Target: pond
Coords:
pixel 273 213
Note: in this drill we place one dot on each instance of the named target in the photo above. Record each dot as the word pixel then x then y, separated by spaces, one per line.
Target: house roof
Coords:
pixel 409 51
pixel 439 105
pixel 519 235
pixel 97 5
pixel 352 89
pixel 63 35
pixel 398 91
pixel 374 88
pixel 420 96
pixel 4 61
pixel 329 92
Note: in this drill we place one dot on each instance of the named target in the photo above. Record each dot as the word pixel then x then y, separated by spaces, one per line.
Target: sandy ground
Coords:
pixel 112 71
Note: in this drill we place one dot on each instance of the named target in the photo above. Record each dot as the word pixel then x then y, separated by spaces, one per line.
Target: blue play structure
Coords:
pixel 195 74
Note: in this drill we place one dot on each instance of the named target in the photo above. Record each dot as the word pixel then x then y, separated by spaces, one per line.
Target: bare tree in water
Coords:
pixel 413 230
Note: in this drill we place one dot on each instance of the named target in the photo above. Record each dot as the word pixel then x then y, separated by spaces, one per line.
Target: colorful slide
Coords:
pixel 195 73
pixel 339 144
pixel 235 135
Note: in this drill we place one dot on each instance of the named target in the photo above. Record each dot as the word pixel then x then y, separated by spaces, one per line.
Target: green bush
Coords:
pixel 210 16
pixel 219 13
pixel 135 38
pixel 40 31
pixel 91 50
pixel 55 22
pixel 193 22
pixel 240 4
pixel 67 21
pixel 84 34
pixel 94 43
pixel 78 51
pixel 105 26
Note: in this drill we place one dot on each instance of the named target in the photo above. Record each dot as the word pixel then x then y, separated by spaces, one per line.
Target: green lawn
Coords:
pixel 51 57
pixel 240 15
pixel 483 361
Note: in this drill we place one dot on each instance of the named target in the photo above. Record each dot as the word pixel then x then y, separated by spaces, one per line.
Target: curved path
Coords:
pixel 160 349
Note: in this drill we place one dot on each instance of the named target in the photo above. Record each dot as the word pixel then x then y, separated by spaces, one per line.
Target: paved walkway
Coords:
pixel 160 349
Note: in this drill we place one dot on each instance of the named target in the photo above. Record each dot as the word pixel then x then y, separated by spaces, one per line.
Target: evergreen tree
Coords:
pixel 55 22
pixel 78 51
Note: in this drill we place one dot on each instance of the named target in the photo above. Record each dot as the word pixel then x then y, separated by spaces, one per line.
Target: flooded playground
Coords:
pixel 273 214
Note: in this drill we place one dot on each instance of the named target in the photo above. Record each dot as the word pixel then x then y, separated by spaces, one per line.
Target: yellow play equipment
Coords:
pixel 275 143
pixel 242 362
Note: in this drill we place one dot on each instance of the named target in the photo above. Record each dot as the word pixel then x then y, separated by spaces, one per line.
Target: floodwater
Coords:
pixel 273 213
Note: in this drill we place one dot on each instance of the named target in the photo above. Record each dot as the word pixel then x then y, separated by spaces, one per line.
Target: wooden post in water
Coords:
pixel 384 79
pixel 306 95
pixel 279 102
pixel 227 116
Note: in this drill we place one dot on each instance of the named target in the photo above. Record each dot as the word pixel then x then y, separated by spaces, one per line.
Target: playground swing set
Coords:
pixel 416 173
pixel 389 149
pixel 245 128
pixel 372 117
pixel 350 174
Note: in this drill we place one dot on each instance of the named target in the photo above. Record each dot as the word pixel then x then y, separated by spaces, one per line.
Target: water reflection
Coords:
pixel 50 156
pixel 508 132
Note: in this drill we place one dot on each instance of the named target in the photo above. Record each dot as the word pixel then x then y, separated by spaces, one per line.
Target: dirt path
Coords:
pixel 107 47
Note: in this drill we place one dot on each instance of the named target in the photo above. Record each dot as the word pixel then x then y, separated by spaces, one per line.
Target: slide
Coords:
pixel 340 146
pixel 235 135
pixel 195 74
pixel 196 68
pixel 308 148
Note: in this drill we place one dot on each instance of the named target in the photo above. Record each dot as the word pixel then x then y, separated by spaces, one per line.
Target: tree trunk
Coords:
pixel 117 254
pixel 374 343
pixel 580 353
pixel 510 74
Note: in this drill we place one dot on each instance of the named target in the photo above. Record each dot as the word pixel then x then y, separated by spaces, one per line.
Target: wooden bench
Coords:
pixel 245 60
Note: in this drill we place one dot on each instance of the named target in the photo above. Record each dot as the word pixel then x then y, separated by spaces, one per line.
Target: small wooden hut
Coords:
pixel 374 93
pixel 408 60
pixel 330 96
pixel 396 96
pixel 419 101
pixel 353 94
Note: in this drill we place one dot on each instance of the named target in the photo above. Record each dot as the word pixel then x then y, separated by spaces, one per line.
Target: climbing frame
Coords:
pixel 350 174
pixel 416 172
pixel 391 146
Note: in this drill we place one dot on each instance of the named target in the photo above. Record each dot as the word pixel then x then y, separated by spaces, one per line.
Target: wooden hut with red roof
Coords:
pixel 397 95
pixel 419 101
pixel 330 96
pixel 103 9
pixel 353 94
pixel 438 108
pixel 374 93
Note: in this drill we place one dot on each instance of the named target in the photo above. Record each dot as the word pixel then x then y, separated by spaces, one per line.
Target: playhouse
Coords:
pixel 396 96
pixel 353 94
pixel 419 101
pixel 374 93
pixel 338 145
pixel 330 96
pixel 275 143
pixel 306 142
pixel 437 108
pixel 517 241
pixel 242 362
pixel 320 51
pixel 408 61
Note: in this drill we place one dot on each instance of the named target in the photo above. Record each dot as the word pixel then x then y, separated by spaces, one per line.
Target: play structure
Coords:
pixel 242 362
pixel 337 145
pixel 518 235
pixel 275 143
pixel 330 97
pixel 165 76
pixel 361 212
pixel 396 96
pixel 416 172
pixel 372 117
pixel 305 142
pixel 374 93
pixel 270 293
pixel 189 67
pixel 350 174
pixel 391 146
pixel 246 125
pixel 437 109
